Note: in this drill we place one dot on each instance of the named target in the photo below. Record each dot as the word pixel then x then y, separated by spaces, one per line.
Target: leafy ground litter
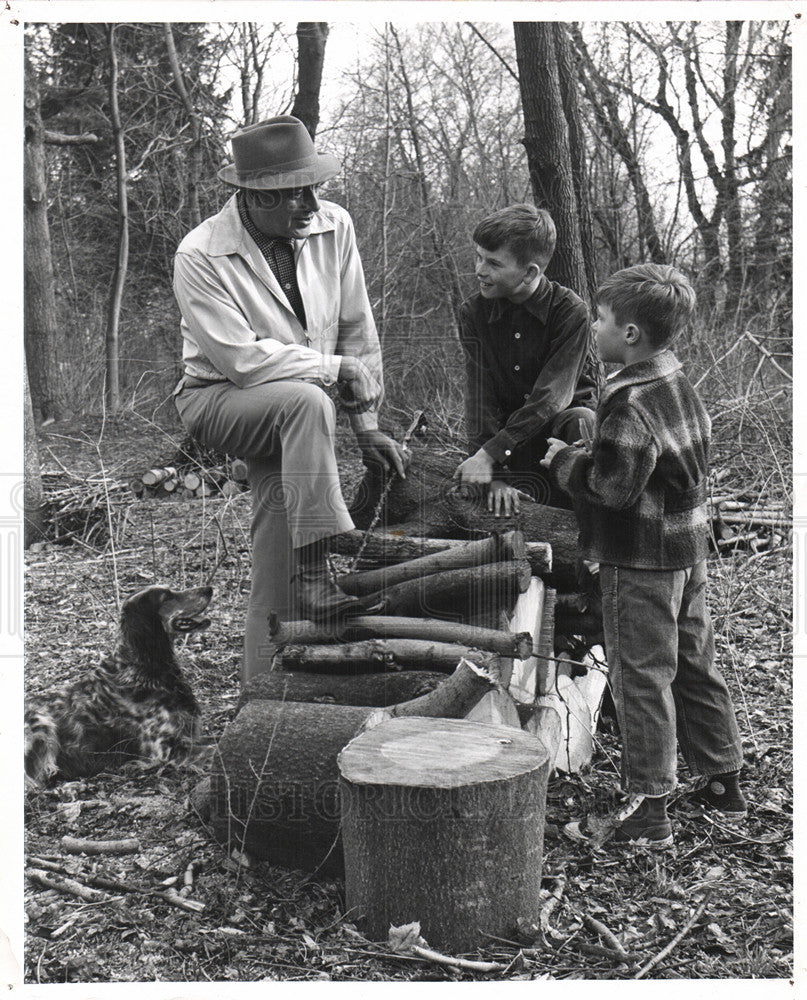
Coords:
pixel 612 913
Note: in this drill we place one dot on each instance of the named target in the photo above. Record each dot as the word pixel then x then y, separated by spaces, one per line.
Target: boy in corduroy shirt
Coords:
pixel 640 501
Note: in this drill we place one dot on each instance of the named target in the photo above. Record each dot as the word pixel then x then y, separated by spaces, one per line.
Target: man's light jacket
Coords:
pixel 237 323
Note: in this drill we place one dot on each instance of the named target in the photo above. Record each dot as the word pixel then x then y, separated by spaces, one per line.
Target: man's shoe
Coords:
pixel 722 792
pixel 642 822
pixel 318 597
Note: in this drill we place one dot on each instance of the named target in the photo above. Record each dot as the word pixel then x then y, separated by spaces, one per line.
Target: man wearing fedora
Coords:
pixel 274 308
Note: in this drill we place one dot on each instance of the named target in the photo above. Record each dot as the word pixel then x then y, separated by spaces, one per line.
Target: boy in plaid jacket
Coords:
pixel 640 501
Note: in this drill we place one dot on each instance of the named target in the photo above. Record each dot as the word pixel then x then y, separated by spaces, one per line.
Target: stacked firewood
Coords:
pixel 227 479
pixel 439 643
pixel 743 522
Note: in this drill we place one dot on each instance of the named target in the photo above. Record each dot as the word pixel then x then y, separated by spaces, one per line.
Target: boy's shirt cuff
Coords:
pixel 562 465
pixel 500 447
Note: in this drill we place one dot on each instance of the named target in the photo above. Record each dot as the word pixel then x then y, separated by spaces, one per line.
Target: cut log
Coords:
pixel 191 481
pixel 365 689
pixel 170 485
pixel 229 489
pixel 527 616
pixel 545 724
pixel 137 486
pixel 373 655
pixel 456 593
pixel 238 470
pixel 382 627
pixel 442 822
pixel 497 548
pixel 156 476
pixel 274 777
pixel 428 504
pixel 539 556
pixel 387 548
pixel 578 704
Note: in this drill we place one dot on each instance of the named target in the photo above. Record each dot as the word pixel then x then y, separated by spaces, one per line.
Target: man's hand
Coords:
pixel 555 445
pixel 474 471
pixel 503 500
pixel 358 389
pixel 380 450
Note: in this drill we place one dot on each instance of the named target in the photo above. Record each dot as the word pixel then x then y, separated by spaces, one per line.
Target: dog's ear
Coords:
pixel 151 598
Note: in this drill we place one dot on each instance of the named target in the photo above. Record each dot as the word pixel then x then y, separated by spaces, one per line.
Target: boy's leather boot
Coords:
pixel 641 822
pixel 722 792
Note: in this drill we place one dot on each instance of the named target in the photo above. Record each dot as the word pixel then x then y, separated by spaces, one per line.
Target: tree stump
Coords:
pixel 274 789
pixel 443 822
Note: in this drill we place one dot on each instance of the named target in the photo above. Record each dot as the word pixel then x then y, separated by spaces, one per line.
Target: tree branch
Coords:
pixel 60 139
pixel 494 50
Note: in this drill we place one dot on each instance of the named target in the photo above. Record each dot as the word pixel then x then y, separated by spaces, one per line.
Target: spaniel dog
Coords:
pixel 134 704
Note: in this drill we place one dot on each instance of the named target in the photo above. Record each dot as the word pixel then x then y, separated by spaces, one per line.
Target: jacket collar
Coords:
pixel 537 304
pixel 659 366
pixel 227 234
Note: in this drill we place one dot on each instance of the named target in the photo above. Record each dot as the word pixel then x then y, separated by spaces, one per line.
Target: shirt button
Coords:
pixel 287 286
pixel 517 336
pixel 507 454
pixel 526 395
pixel 516 368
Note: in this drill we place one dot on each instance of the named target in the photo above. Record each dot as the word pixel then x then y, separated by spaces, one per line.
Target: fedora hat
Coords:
pixel 277 153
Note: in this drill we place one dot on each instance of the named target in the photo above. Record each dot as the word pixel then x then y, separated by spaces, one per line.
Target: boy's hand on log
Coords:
pixel 378 449
pixel 555 445
pixel 474 471
pixel 503 500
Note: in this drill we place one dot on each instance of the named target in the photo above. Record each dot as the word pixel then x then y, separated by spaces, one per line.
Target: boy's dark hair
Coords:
pixel 656 297
pixel 526 231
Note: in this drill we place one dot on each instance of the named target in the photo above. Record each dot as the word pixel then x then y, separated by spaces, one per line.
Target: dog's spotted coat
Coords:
pixel 134 704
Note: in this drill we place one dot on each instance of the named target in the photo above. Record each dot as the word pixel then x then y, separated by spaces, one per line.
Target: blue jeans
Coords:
pixel 660 646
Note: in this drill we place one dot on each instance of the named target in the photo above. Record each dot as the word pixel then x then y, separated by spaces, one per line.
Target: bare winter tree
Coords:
pixel 603 99
pixel 48 395
pixel 112 335
pixel 311 39
pixel 33 514
pixel 555 150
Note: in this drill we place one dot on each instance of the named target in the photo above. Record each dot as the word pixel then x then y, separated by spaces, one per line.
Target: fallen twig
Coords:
pixel 726 828
pixel 456 963
pixel 187 880
pixel 116 885
pixel 77 845
pixel 679 937
pixel 173 897
pixel 550 905
pixel 69 886
pixel 607 935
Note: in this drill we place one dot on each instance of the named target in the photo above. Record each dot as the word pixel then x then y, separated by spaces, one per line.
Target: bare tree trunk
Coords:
pixel 578 150
pixel 311 38
pixel 41 329
pixel 112 394
pixel 550 135
pixel 195 147
pixel 731 187
pixel 34 521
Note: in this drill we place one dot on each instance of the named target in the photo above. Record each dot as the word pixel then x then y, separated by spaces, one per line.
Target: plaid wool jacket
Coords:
pixel 640 496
